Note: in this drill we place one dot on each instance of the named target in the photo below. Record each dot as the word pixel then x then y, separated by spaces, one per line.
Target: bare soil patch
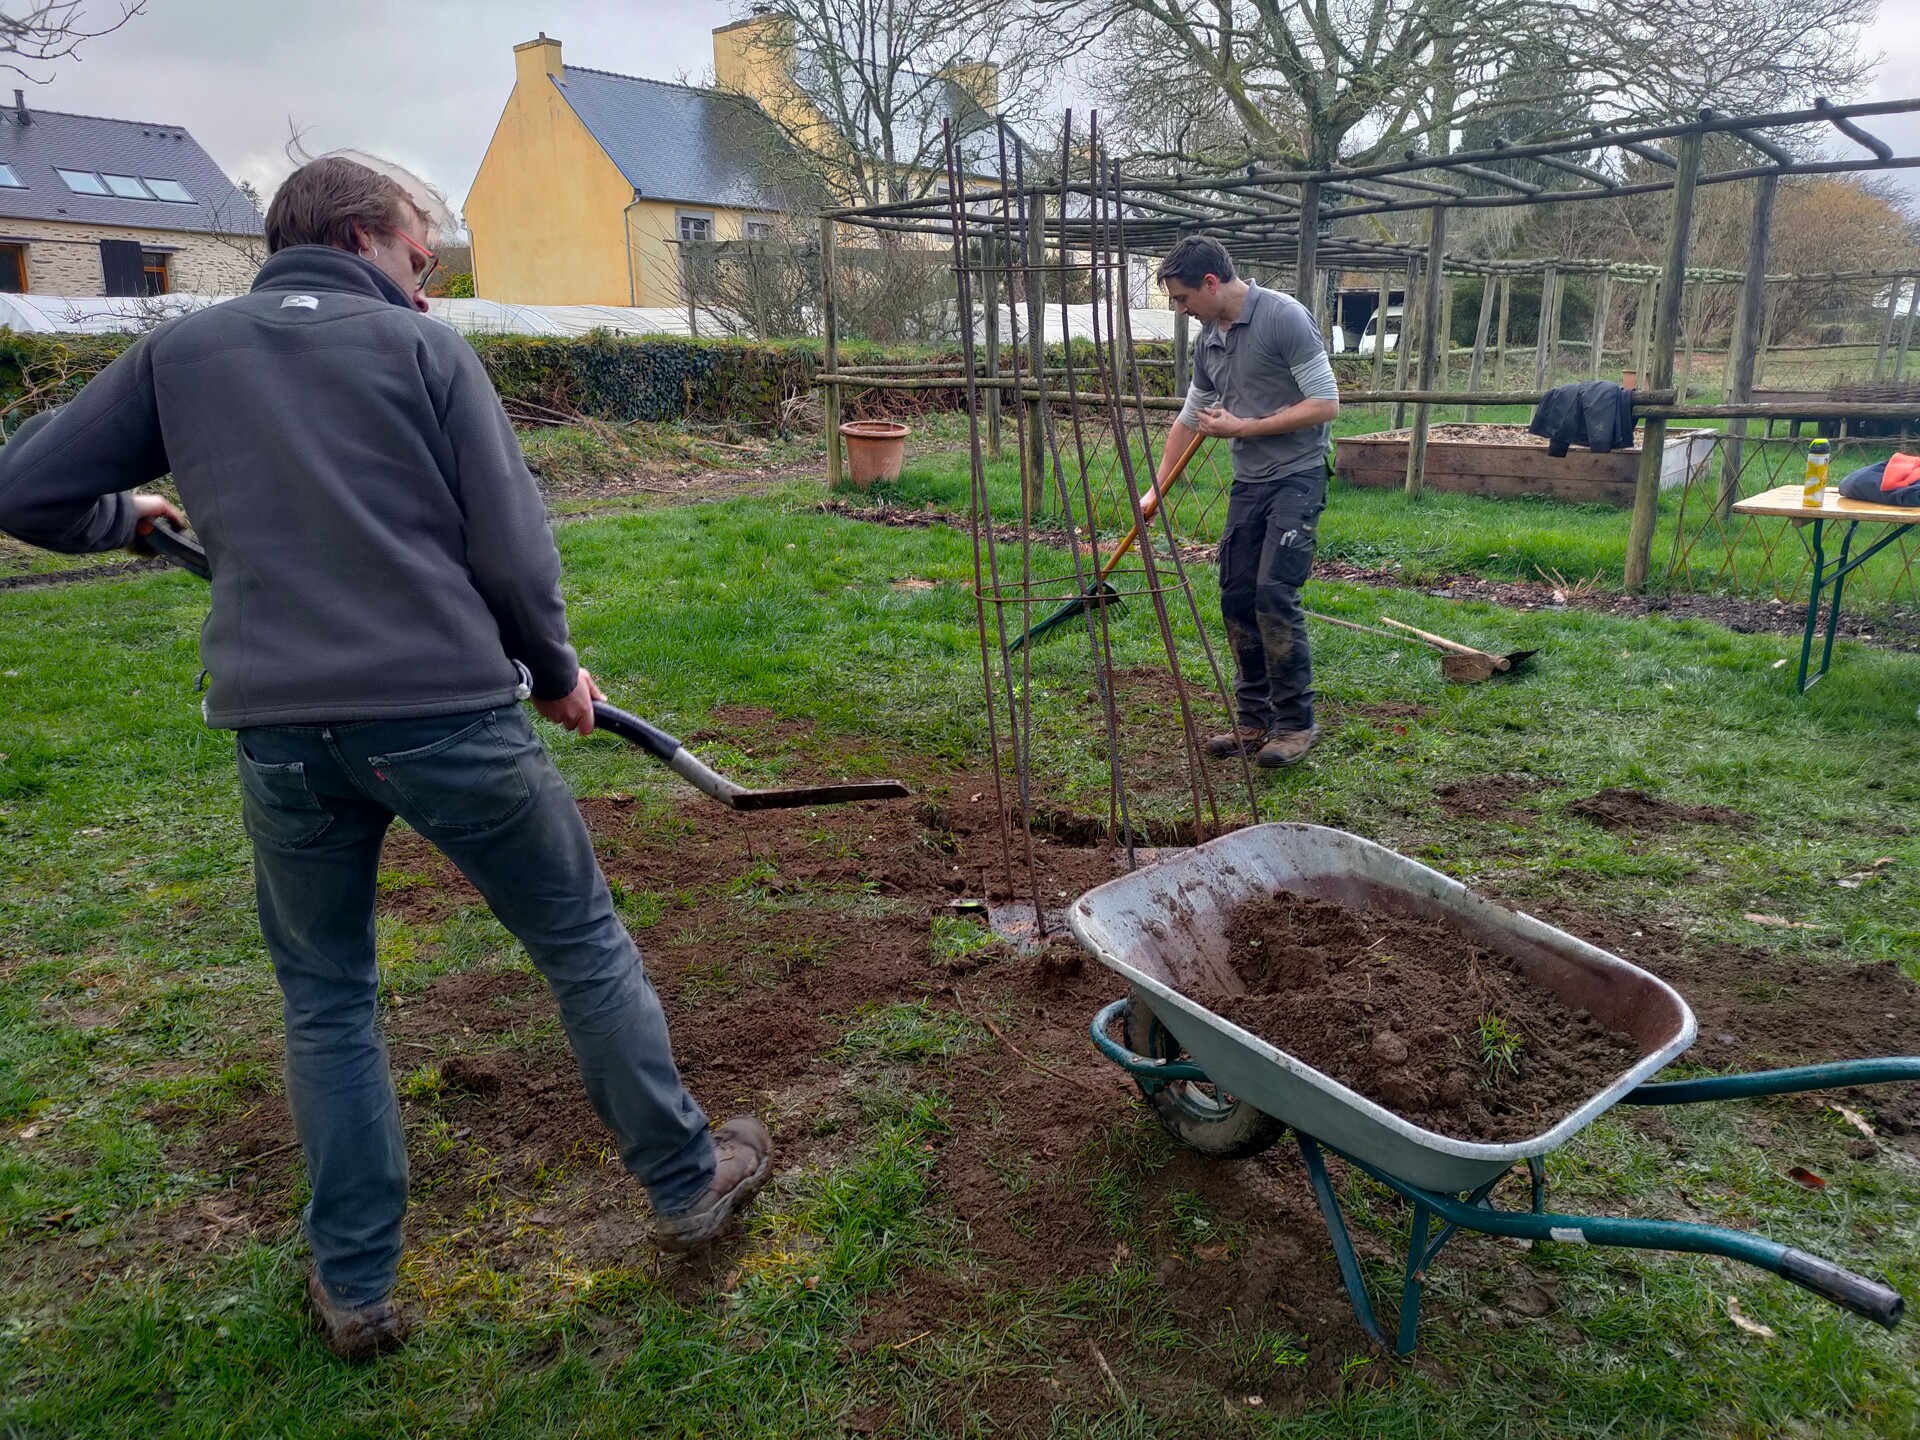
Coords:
pixel 1490 797
pixel 1619 808
pixel 1440 1030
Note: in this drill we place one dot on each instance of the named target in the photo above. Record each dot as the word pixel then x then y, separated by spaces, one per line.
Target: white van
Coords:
pixel 1370 337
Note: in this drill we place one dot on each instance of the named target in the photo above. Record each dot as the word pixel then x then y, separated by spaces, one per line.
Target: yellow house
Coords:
pixel 593 182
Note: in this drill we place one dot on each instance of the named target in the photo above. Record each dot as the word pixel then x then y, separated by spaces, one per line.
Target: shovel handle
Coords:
pixel 1150 506
pixel 1445 644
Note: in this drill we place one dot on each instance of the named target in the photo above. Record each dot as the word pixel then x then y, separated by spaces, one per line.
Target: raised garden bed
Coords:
pixel 1506 460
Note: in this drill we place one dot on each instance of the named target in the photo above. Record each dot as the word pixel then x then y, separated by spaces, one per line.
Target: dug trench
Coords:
pixel 777 941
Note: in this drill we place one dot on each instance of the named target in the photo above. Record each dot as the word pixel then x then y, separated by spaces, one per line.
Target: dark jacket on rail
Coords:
pixel 1595 413
pixel 379 549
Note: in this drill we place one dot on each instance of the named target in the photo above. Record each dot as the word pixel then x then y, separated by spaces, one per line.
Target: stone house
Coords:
pixel 92 206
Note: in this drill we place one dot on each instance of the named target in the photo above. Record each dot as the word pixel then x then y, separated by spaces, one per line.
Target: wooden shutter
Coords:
pixel 122 267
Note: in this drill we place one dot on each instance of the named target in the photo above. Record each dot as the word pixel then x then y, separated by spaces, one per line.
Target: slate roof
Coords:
pixel 120 147
pixel 674 142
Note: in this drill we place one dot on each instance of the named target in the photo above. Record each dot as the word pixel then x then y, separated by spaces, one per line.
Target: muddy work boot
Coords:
pixel 1286 747
pixel 1241 740
pixel 742 1160
pixel 357 1332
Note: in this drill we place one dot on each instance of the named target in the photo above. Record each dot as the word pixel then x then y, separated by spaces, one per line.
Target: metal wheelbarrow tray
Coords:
pixel 1165 930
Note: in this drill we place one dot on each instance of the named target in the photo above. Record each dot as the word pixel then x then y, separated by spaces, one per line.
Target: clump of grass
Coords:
pixel 1500 1047
pixel 914 1033
pixel 961 943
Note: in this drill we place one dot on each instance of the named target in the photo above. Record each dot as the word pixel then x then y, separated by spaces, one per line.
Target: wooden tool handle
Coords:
pixel 1150 506
pixel 1445 644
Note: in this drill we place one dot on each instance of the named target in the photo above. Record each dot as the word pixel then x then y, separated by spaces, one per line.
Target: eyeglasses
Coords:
pixel 433 261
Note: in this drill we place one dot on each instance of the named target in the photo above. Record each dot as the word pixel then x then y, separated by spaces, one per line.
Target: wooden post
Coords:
pixel 990 292
pixel 1906 331
pixel 1601 305
pixel 1480 338
pixel 1429 347
pixel 1406 334
pixel 1306 284
pixel 1642 330
pixel 1543 330
pixel 1380 333
pixel 1766 337
pixel 1886 335
pixel 1744 347
pixel 1692 313
pixel 1446 331
pixel 1182 352
pixel 1033 464
pixel 1646 493
pixel 1500 348
pixel 830 351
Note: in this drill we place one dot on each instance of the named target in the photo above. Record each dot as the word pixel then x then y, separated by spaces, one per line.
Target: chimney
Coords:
pixel 535 59
pixel 20 107
pixel 754 57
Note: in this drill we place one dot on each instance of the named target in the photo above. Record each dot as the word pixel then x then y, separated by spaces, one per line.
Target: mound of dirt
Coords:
pixel 1619 808
pixel 1443 1031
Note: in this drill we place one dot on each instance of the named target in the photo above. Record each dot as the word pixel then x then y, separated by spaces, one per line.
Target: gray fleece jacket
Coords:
pixel 379 548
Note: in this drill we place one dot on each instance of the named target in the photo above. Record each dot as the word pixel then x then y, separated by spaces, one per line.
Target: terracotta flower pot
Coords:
pixel 1629 379
pixel 875 449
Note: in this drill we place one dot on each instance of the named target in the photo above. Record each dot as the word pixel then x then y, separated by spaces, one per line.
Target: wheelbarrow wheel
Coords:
pixel 1199 1115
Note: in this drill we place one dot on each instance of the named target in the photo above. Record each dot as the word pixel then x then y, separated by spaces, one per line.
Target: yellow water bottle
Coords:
pixel 1814 485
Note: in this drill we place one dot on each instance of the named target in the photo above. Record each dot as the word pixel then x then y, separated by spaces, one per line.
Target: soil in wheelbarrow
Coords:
pixel 1444 1032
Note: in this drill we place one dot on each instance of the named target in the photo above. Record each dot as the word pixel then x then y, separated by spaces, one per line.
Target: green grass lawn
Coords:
pixel 133 987
pixel 1443 533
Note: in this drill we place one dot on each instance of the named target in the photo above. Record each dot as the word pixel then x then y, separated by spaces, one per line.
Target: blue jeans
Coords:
pixel 317 801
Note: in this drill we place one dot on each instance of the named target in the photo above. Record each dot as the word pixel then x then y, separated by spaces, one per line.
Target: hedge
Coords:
pixel 665 380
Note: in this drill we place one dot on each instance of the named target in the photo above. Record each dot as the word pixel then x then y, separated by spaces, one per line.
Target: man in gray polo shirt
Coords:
pixel 1262 381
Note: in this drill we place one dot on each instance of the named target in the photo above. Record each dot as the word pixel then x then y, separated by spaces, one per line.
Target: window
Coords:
pixel 169 190
pixel 82 182
pixel 153 264
pixel 758 229
pixel 13 269
pixel 695 228
pixel 9 179
pixel 127 187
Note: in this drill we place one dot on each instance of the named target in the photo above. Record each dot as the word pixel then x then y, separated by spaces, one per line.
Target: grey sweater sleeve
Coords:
pixel 65 473
pixel 510 550
pixel 1305 354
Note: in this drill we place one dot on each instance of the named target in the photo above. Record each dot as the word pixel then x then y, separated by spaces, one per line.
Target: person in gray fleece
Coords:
pixel 385 590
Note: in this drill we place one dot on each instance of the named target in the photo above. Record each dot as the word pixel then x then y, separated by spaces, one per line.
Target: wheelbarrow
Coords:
pixel 1225 1091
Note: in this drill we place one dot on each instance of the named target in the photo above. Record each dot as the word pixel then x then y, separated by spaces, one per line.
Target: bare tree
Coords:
pixel 861 89
pixel 41 31
pixel 1318 82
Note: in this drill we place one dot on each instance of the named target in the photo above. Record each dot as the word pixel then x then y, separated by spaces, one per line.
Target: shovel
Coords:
pixel 1100 592
pixel 164 540
pixel 1463 663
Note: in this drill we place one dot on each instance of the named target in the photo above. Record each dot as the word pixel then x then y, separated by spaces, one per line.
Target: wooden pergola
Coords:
pixel 1286 221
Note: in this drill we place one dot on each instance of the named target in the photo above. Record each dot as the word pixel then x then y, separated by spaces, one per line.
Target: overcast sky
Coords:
pixel 424 82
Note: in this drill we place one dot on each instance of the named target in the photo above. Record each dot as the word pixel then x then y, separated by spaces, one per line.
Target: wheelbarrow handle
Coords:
pixel 1833 1075
pixel 1879 1303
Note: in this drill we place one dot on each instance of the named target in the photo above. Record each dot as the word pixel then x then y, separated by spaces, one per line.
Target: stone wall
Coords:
pixel 65 259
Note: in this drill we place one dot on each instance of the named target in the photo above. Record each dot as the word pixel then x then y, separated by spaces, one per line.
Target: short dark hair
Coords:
pixel 1193 259
pixel 321 202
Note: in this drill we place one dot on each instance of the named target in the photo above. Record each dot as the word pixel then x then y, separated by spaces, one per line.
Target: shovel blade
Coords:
pixel 1102 594
pixel 797 796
